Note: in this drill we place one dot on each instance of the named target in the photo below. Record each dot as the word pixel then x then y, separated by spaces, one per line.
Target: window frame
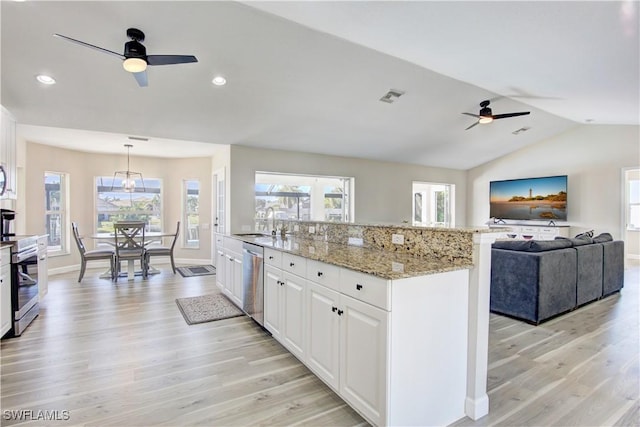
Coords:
pixel 63 212
pixel 186 213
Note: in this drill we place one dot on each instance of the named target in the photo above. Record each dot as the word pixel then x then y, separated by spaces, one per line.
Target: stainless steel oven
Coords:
pixel 24 283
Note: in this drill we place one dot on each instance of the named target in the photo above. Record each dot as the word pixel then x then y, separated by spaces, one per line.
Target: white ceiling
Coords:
pixel 314 84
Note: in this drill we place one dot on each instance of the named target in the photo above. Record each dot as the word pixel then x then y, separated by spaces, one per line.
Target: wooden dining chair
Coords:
pixel 91 255
pixel 164 250
pixel 129 244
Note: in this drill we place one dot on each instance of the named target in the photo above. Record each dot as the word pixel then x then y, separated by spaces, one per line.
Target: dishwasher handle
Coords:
pixel 252 253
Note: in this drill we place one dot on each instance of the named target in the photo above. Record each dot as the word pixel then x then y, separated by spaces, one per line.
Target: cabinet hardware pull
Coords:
pixel 319 273
pixel 270 257
pixel 334 309
pixel 291 264
pixel 358 286
pixel 340 312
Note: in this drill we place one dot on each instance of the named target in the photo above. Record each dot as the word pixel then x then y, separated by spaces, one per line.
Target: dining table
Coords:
pixel 150 238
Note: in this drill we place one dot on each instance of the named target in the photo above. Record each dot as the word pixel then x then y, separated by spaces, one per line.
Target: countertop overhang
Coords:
pixel 383 264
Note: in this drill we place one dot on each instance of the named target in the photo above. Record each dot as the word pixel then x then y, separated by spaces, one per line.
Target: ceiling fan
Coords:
pixel 135 58
pixel 486 116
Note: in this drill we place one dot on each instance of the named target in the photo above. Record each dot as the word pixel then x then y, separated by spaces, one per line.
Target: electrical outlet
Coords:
pixel 312 229
pixel 397 267
pixel 296 228
pixel 398 239
pixel 355 241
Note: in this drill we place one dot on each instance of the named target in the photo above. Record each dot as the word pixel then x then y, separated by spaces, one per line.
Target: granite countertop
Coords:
pixel 378 263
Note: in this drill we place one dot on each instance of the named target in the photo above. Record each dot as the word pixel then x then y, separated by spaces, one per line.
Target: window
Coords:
pixel 114 204
pixel 55 217
pixel 433 204
pixel 302 197
pixel 191 217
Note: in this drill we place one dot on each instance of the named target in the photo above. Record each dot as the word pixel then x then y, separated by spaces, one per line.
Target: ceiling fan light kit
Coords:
pixel 135 58
pixel 486 116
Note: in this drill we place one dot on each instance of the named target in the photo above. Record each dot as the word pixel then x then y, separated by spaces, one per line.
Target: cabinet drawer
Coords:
pixel 233 245
pixel 325 274
pixel 529 230
pixel 294 264
pixel 365 287
pixel 272 257
pixel 548 230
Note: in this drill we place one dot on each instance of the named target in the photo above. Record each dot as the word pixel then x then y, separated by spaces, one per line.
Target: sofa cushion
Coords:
pixel 577 241
pixel 532 245
pixel 603 237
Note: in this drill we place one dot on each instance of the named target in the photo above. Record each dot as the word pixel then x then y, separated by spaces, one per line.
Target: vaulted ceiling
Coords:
pixel 308 76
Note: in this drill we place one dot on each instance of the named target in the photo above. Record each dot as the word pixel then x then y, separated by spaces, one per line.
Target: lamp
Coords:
pixel 485 119
pixel 128 181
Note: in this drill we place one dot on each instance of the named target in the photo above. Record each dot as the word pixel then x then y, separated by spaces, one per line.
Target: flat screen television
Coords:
pixel 542 199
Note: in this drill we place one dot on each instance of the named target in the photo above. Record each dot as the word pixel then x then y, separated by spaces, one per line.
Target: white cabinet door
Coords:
pixel 238 295
pixel 228 276
pixel 293 322
pixel 273 288
pixel 43 271
pixel 8 152
pixel 220 269
pixel 323 346
pixel 5 295
pixel 363 357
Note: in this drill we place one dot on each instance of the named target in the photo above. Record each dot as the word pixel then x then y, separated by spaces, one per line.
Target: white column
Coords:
pixel 477 401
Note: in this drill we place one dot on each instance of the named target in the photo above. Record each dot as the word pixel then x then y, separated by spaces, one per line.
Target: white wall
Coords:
pixel 82 167
pixel 592 156
pixel 382 189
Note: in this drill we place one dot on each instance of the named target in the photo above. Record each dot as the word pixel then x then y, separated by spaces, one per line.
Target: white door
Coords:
pixel 218 200
pixel 293 323
pixel 363 357
pixel 273 286
pixel 323 345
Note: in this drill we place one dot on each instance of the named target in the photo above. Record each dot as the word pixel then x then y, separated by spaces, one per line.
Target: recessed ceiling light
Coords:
pixel 219 81
pixel 44 79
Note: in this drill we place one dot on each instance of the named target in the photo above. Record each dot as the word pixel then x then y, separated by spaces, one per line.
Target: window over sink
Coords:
pixel 302 197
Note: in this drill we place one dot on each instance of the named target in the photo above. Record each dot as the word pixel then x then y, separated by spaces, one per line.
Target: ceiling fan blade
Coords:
pixel 141 78
pixel 472 115
pixel 504 116
pixel 81 43
pixel 170 59
pixel 472 125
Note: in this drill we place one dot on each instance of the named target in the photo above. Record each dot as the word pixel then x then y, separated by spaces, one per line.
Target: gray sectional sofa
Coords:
pixel 535 280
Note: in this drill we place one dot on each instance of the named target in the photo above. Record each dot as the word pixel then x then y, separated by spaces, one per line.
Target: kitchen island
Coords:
pixel 402 338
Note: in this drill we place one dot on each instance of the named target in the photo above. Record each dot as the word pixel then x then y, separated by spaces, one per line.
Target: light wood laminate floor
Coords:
pixel 122 355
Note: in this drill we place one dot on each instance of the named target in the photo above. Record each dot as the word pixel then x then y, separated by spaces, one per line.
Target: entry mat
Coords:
pixel 196 270
pixel 207 308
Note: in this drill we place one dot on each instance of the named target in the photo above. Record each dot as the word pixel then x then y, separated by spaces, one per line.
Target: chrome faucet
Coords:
pixel 273 219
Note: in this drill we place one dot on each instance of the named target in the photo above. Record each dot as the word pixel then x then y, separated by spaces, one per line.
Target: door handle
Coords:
pixel 358 286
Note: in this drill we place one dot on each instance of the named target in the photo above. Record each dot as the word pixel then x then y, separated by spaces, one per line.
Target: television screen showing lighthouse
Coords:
pixel 529 199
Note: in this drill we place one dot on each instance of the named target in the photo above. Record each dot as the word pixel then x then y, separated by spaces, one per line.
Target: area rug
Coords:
pixel 207 308
pixel 196 270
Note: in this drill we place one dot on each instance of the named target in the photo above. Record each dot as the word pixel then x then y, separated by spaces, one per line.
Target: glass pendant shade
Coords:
pixel 128 177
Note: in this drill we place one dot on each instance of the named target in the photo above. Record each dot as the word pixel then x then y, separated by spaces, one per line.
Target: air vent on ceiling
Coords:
pixel 392 95
pixel 138 138
pixel 519 131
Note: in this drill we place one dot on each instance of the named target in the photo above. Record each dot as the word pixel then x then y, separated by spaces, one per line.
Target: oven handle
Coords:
pixel 24 255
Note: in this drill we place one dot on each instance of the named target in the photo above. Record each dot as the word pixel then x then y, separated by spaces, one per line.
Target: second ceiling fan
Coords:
pixel 135 58
pixel 486 116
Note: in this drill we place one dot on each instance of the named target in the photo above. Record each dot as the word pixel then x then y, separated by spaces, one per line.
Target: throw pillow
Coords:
pixel 603 237
pixel 575 241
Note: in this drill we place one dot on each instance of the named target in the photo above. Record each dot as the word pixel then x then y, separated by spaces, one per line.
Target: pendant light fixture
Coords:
pixel 128 176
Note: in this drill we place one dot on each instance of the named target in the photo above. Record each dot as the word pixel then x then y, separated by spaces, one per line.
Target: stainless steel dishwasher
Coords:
pixel 253 281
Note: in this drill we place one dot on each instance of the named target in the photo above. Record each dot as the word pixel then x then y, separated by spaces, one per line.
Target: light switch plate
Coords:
pixel 312 229
pixel 398 239
pixel 296 228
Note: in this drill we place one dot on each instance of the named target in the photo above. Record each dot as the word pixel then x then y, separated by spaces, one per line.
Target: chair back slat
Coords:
pixel 129 237
pixel 77 238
